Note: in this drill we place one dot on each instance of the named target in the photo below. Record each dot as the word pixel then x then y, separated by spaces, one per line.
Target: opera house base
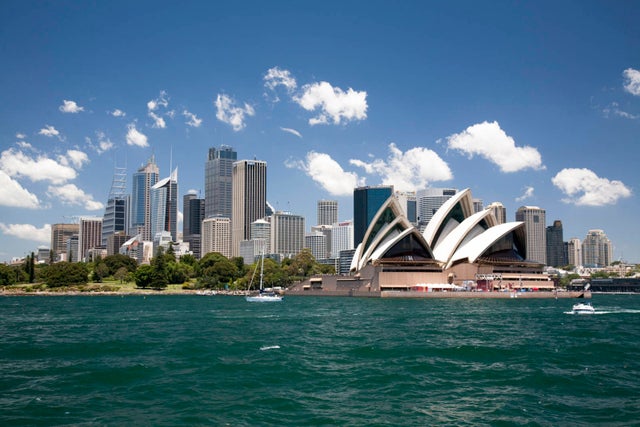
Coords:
pixel 435 295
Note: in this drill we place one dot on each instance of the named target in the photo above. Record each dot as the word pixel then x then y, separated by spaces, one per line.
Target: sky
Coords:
pixel 525 103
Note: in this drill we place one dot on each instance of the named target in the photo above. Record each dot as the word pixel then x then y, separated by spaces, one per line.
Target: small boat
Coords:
pixel 583 308
pixel 264 295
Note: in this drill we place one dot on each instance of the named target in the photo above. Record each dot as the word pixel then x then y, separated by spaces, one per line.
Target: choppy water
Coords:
pixel 194 360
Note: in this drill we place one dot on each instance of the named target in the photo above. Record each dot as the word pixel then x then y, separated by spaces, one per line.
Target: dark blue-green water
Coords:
pixel 194 360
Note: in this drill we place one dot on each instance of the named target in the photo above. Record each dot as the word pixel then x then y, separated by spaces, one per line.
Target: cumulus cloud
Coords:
pixel 49 131
pixel 12 194
pixel 408 171
pixel 278 77
pixel 16 163
pixel 27 232
pixel 336 106
pixel 70 194
pixel 489 141
pixel 614 108
pixel 328 173
pixel 160 101
pixel 135 137
pixel 192 119
pixel 229 113
pixel 25 145
pixel 528 193
pixel 70 107
pixel 584 188
pixel 158 122
pixel 20 135
pixel 632 81
pixel 104 143
pixel 117 113
pixel 74 158
pixel 291 131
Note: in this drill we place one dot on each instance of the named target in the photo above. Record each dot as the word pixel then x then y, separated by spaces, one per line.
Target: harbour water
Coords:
pixel 217 360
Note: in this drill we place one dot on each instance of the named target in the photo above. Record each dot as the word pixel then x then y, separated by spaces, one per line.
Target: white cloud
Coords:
pixel 104 143
pixel 336 105
pixel 49 131
pixel 20 135
pixel 192 119
pixel 25 145
pixel 74 158
pixel 278 77
pixel 70 107
pixel 162 100
pixel 12 194
pixel 328 173
pixel 117 113
pixel 291 131
pixel 614 109
pixel 584 188
pixel 158 122
pixel 632 81
pixel 27 232
pixel 70 194
pixel 135 137
pixel 528 193
pixel 489 141
pixel 229 113
pixel 15 163
pixel 408 171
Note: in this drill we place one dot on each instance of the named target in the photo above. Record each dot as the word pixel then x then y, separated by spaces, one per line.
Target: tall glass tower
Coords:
pixel 218 182
pixel 249 199
pixel 164 206
pixel 116 214
pixel 143 180
pixel 366 202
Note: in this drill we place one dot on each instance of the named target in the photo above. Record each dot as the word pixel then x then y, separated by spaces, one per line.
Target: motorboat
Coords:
pixel 583 308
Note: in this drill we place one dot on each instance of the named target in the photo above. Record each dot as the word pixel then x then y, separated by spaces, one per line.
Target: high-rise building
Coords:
pixel 316 242
pixel 143 180
pixel 327 212
pixel 287 234
pixel 597 249
pixel 260 229
pixel 193 215
pixel 218 181
pixel 116 213
pixel 60 234
pixel 534 220
pixel 115 242
pixel 429 201
pixel 89 236
pixel 556 250
pixel 341 238
pixel 164 206
pixel 407 199
pixel 477 205
pixel 249 199
pixel 574 252
pixel 326 231
pixel 72 248
pixel 366 202
pixel 499 212
pixel 216 236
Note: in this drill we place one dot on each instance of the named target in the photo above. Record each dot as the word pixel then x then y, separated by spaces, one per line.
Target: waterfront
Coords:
pixel 214 360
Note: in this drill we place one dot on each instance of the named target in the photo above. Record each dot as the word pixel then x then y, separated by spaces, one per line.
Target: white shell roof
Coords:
pixel 444 250
pixel 477 246
pixel 436 220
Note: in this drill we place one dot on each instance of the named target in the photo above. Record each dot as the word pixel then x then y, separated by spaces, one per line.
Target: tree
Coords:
pixel 100 270
pixel 160 272
pixel 7 275
pixel 188 259
pixel 67 274
pixel 143 276
pixel 116 261
pixel 216 270
pixel 121 274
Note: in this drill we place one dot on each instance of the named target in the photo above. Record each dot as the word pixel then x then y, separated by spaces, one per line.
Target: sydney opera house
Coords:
pixel 459 250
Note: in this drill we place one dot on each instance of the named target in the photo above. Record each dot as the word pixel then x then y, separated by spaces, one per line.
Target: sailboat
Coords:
pixel 263 295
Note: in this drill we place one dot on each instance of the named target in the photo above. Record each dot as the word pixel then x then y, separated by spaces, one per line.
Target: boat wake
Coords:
pixel 269 347
pixel 609 311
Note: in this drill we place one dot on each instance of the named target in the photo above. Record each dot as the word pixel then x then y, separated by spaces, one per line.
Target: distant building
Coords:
pixel 143 180
pixel 218 178
pixel 60 234
pixel 44 254
pixel 327 232
pixel 327 212
pixel 574 252
pixel 499 212
pixel 287 234
pixel 429 201
pixel 193 214
pixel 556 250
pixel 534 220
pixel 317 243
pixel 90 236
pixel 366 202
pixel 260 229
pixel 341 238
pixel 216 236
pixel 164 206
pixel 407 199
pixel 597 249
pixel 251 250
pixel 115 241
pixel 72 252
pixel 477 205
pixel 116 213
pixel 249 199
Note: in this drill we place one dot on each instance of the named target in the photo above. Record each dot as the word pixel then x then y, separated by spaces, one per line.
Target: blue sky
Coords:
pixel 526 103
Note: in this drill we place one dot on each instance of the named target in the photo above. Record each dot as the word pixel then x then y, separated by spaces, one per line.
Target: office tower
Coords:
pixel 115 242
pixel 574 252
pixel 366 202
pixel 44 254
pixel 216 236
pixel 261 230
pixel 499 212
pixel 218 182
pixel 89 236
pixel 143 180
pixel 326 231
pixel 316 242
pixel 327 212
pixel 193 215
pixel 344 261
pixel 287 234
pixel 407 199
pixel 597 249
pixel 429 201
pixel 477 205
pixel 116 214
pixel 556 250
pixel 164 206
pixel 60 233
pixel 249 200
pixel 72 248
pixel 342 238
pixel 534 220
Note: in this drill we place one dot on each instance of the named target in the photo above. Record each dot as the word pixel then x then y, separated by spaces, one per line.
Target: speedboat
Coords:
pixel 583 308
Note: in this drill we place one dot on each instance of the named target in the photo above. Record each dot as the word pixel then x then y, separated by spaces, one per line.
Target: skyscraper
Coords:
pixel 89 236
pixel 556 250
pixel 534 220
pixel 316 242
pixel 249 199
pixel 429 201
pixel 287 234
pixel 60 234
pixel 597 250
pixel 218 182
pixel 216 236
pixel 499 212
pixel 193 214
pixel 116 213
pixel 164 206
pixel 366 202
pixel 574 252
pixel 327 212
pixel 143 180
pixel 341 238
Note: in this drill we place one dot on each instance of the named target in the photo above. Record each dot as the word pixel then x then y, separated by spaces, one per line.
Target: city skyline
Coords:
pixel 527 104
